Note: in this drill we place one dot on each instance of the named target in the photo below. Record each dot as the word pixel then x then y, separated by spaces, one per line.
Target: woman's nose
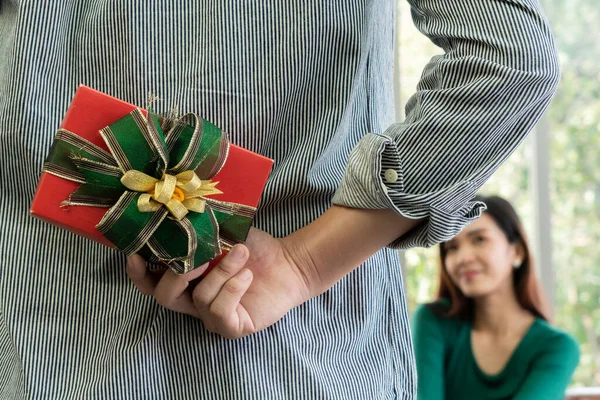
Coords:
pixel 464 255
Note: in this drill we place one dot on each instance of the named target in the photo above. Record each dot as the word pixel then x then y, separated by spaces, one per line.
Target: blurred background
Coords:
pixel 553 179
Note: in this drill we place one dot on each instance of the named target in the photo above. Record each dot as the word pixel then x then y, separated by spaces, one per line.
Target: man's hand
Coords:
pixel 251 288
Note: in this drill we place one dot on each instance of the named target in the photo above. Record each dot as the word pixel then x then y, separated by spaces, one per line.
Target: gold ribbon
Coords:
pixel 180 193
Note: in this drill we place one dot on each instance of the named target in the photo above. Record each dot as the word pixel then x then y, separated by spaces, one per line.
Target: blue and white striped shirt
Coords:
pixel 308 84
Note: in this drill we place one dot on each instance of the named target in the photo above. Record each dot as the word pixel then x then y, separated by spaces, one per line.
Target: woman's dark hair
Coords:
pixel 527 287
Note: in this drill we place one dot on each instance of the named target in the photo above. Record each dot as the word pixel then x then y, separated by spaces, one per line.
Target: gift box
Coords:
pixel 172 189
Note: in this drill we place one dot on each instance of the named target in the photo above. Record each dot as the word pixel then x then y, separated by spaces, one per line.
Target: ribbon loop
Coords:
pixel 163 190
pixel 147 204
pixel 195 204
pixel 188 181
pixel 138 181
pixel 177 209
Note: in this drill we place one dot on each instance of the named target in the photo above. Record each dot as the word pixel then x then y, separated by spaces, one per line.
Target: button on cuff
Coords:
pixel 391 176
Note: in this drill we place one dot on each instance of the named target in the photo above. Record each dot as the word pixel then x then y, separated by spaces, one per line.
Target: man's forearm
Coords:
pixel 340 240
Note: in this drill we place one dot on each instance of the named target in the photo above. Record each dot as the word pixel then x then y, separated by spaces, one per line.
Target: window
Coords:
pixel 574 122
pixel 571 132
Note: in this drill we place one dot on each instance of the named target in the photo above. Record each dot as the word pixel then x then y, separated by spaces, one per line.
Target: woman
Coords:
pixel 488 336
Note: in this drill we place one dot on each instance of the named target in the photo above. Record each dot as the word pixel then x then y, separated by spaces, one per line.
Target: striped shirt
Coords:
pixel 308 84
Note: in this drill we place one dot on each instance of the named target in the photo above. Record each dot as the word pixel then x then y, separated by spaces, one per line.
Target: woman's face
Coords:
pixel 480 259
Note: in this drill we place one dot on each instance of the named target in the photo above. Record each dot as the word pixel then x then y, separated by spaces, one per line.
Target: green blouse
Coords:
pixel 540 367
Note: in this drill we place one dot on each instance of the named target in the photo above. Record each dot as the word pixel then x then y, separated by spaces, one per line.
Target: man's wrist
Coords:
pixel 340 240
pixel 298 255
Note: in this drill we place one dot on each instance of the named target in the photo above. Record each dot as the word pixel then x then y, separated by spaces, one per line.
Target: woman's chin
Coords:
pixel 474 291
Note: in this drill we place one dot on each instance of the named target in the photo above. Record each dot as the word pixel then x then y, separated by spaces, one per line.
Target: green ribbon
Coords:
pixel 157 147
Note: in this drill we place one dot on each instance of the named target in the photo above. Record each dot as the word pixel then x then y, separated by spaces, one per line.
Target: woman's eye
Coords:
pixel 479 239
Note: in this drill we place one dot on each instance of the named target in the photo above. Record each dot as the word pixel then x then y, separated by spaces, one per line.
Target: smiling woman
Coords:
pixel 491 255
pixel 487 335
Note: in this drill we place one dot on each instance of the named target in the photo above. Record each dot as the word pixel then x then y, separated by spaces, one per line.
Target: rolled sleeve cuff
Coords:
pixel 374 179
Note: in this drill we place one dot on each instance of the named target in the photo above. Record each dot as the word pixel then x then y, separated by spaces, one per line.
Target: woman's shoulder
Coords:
pixel 431 311
pixel 555 341
pixel 434 313
pixel 431 329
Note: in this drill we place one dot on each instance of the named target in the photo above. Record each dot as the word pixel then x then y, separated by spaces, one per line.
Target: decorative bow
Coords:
pixel 155 185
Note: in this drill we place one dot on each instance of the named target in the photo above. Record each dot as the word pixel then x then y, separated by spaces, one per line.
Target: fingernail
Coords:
pixel 237 252
pixel 245 274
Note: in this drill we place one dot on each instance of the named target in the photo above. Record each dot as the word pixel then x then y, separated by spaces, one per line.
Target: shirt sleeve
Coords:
pixel 473 106
pixel 552 371
pixel 430 348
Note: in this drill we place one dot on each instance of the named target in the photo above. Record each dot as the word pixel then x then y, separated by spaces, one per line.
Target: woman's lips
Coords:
pixel 470 274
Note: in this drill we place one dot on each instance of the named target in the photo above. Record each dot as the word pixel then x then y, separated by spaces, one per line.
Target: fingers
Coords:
pixel 140 276
pixel 217 297
pixel 171 291
pixel 225 314
pixel 209 287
